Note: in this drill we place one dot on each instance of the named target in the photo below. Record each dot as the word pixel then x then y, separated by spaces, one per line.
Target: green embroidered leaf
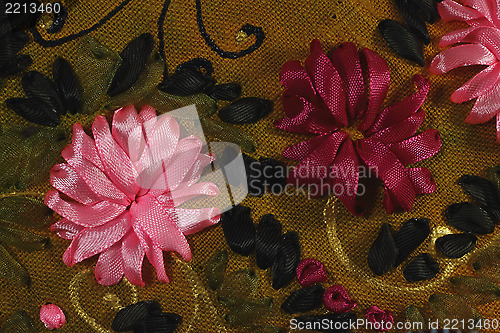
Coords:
pixel 164 102
pixel 12 270
pixel 248 312
pixel 487 263
pixel 494 175
pixel 22 239
pixel 413 315
pixel 95 69
pixel 237 287
pixel 18 323
pixel 147 81
pixel 229 133
pixel 216 268
pixel 25 211
pixel 27 153
pixel 452 306
pixel 478 290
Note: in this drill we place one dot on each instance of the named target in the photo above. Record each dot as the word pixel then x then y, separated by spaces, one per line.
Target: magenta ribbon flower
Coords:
pixel 311 271
pixel 337 300
pixel 479 44
pixel 326 97
pixel 377 316
pixel 119 194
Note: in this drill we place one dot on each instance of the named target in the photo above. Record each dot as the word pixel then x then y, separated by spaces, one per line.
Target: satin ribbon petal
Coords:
pixel 417 148
pixel 485 36
pixel 400 111
pixel 297 82
pixel 301 150
pixel 422 180
pixel 84 215
pixel 155 257
pixel 125 122
pixel 148 119
pixel 347 164
pixel 163 139
pixel 153 253
pixel 461 55
pixel 191 221
pixel 196 171
pixel 487 8
pixel 390 170
pixel 132 253
pixel 95 178
pixel 181 162
pixel 455 36
pixel 169 175
pixel 402 130
pixel 92 241
pixel 305 122
pixel 486 106
pixel 185 192
pixel 314 167
pixel 159 225
pixel 117 164
pixel 65 179
pixel 109 267
pixel 478 85
pixel 66 229
pixel 127 130
pixel 83 146
pixel 498 127
pixel 346 61
pixel 379 79
pixel 450 10
pixel 327 83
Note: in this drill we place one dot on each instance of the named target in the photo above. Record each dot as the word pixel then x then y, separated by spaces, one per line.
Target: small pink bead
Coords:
pixel 310 271
pixel 337 300
pixel 376 315
pixel 52 316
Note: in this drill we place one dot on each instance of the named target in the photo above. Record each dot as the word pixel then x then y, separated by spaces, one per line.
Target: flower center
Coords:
pixel 354 133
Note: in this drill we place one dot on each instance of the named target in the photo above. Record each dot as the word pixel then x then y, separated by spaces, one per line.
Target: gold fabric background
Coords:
pixel 289 26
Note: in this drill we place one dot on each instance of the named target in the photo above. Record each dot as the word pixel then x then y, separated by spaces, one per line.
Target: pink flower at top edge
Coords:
pixel 479 44
pixel 118 194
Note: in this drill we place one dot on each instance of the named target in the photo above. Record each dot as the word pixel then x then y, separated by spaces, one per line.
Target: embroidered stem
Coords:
pixel 20 194
pixel 247 28
pixel 60 41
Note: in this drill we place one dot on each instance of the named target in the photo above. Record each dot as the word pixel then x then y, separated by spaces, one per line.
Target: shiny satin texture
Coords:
pixel 119 194
pixel 52 316
pixel 329 95
pixel 477 45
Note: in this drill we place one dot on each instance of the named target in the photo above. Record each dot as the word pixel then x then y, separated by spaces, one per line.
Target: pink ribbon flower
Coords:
pixel 119 192
pixel 52 316
pixel 381 318
pixel 325 98
pixel 477 45
pixel 336 300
